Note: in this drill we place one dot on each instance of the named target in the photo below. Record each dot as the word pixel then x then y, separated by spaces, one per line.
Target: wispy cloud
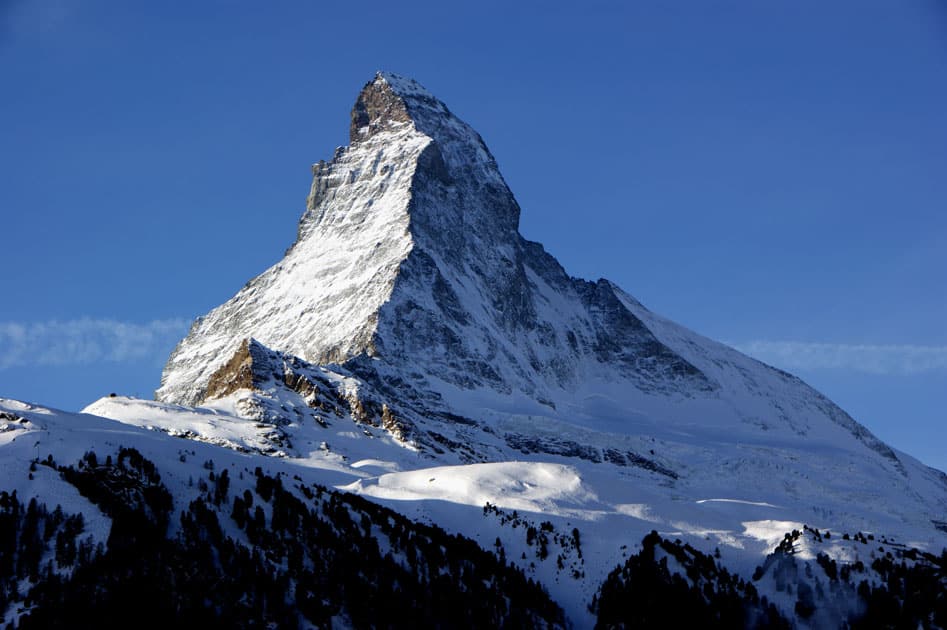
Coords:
pixel 874 359
pixel 87 341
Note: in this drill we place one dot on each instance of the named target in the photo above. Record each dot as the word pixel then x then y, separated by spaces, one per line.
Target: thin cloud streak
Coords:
pixel 87 341
pixel 872 359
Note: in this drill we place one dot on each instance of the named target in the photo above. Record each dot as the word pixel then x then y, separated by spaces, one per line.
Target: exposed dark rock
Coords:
pixel 377 109
pixel 237 373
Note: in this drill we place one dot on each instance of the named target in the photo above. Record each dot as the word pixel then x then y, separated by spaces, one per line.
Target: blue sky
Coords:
pixel 771 174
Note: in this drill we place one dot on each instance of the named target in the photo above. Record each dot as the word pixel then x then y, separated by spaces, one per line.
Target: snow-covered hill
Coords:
pixel 565 522
pixel 412 348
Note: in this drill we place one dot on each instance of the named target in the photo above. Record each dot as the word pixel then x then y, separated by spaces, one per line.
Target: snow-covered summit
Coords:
pixel 456 154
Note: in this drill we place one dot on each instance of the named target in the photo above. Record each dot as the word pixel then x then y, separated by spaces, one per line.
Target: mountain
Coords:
pixel 408 265
pixel 409 278
pixel 438 399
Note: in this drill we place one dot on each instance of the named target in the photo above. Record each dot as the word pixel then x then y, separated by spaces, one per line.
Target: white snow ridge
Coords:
pixel 413 348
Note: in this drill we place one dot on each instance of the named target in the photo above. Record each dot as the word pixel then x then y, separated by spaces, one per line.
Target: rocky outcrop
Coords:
pixel 270 376
pixel 237 373
pixel 377 109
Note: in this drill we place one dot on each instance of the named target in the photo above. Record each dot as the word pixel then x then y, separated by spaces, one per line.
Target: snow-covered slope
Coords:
pixel 537 506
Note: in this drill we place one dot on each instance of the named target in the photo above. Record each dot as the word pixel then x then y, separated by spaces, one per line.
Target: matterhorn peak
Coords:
pixel 410 276
pixel 410 314
pixel 417 198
